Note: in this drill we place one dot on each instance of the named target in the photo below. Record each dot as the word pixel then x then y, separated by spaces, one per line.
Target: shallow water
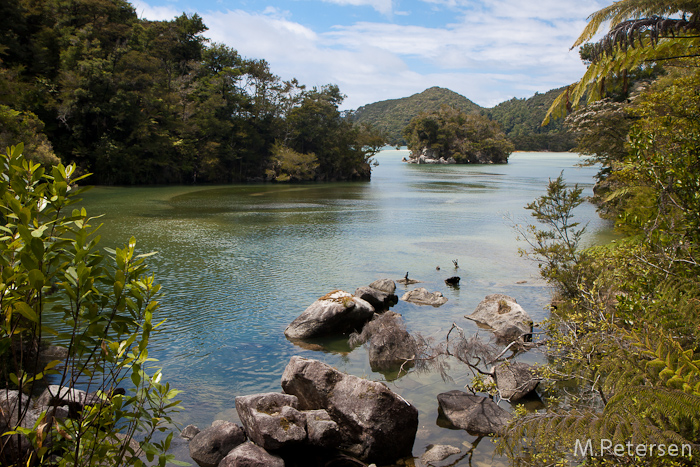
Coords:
pixel 238 263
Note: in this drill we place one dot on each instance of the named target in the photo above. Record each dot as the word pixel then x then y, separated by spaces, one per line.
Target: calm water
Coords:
pixel 238 263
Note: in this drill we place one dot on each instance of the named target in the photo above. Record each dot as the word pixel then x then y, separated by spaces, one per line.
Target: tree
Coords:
pixel 468 138
pixel 101 310
pixel 642 33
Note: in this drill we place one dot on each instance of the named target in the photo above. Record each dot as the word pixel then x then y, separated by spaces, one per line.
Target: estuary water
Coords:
pixel 238 263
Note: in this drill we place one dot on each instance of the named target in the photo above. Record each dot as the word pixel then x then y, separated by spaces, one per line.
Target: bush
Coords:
pixel 55 283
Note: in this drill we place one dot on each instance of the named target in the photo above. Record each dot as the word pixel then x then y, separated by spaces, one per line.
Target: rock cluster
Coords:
pixel 321 408
pixel 428 156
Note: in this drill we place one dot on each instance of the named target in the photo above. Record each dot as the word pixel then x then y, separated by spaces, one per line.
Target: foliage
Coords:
pixel 56 283
pixel 642 34
pixel 289 165
pixel 25 126
pixel 137 101
pixel 468 138
pixel 520 119
pixel 391 116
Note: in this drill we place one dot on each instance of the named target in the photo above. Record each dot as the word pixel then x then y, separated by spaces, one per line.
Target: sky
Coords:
pixel 487 50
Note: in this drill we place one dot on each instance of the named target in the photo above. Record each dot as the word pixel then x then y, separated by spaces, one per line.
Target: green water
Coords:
pixel 238 263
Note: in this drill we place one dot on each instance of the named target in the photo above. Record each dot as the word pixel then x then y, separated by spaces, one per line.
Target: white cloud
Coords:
pixel 382 6
pixel 155 13
pixel 489 54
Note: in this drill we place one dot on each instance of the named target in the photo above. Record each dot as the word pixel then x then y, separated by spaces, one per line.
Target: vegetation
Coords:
pixel 55 283
pixel 520 119
pixel 390 117
pixel 450 133
pixel 137 101
pixel 623 337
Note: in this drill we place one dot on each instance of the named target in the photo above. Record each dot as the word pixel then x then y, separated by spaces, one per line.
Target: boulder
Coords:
pixel 421 296
pixel 376 424
pixel 335 313
pixel 476 414
pixel 322 431
pixel 272 419
pixel 211 445
pixel 378 299
pixel 515 380
pixel 189 432
pixel 56 395
pixel 389 344
pixel 500 312
pixel 384 285
pixel 10 401
pixel 454 280
pixel 437 453
pixel 250 455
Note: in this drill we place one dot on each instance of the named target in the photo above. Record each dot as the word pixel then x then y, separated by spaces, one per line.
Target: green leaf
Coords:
pixel 26 311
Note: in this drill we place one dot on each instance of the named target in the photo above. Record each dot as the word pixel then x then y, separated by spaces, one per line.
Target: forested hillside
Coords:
pixel 137 101
pixel 390 117
pixel 520 119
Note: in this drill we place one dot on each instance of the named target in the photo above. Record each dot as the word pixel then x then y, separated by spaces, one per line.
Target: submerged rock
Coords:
pixel 338 312
pixel 421 296
pixel 376 424
pixel 437 453
pixel 476 414
pixel 502 313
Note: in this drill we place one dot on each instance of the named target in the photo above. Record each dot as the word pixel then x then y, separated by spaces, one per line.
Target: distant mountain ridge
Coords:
pixel 520 119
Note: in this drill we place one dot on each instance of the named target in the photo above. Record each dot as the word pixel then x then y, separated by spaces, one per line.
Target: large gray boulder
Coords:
pixel 338 312
pixel 322 431
pixel 501 312
pixel 250 455
pixel 384 285
pixel 389 344
pixel 211 445
pixel 376 424
pixel 476 414
pixel 56 395
pixel 421 296
pixel 378 299
pixel 515 380
pixel 272 420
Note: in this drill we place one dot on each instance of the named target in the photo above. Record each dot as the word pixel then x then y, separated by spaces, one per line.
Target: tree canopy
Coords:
pixel 468 138
pixel 137 101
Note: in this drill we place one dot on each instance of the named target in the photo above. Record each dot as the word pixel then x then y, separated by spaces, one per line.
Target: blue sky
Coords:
pixel 489 51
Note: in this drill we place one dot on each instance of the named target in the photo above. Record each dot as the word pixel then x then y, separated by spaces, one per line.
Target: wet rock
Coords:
pixel 211 445
pixel 421 296
pixel 338 312
pixel 250 455
pixel 454 280
pixel 376 424
pixel 56 395
pixel 272 419
pixel 501 312
pixel 389 344
pixel 375 297
pixel 515 380
pixel 478 415
pixel 384 285
pixel 322 431
pixel 189 432
pixel 437 453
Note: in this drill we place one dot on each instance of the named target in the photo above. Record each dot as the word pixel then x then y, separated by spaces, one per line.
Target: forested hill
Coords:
pixel 390 117
pixel 520 119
